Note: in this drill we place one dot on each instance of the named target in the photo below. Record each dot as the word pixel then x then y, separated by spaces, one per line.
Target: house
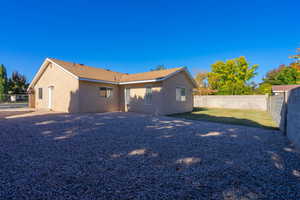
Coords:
pixel 70 87
pixel 282 89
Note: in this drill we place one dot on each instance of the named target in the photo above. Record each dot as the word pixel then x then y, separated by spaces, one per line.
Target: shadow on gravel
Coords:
pixel 6 113
pixel 133 156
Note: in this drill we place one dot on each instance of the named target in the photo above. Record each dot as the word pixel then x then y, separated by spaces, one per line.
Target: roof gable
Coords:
pixel 87 73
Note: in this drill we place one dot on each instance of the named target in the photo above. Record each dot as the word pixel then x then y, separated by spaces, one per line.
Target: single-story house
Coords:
pixel 70 87
pixel 282 89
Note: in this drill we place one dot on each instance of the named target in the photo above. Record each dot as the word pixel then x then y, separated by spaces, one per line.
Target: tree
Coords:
pixel 17 83
pixel 283 75
pixel 232 77
pixel 264 88
pixel 158 67
pixel 3 82
pixel 201 79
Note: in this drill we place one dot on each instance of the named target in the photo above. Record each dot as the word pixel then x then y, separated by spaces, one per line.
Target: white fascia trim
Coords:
pixel 153 80
pixel 102 81
pixel 97 81
pixel 180 70
pixel 162 79
pixel 144 81
pixel 278 91
pixel 68 72
pixel 42 68
pixel 37 74
pixel 191 77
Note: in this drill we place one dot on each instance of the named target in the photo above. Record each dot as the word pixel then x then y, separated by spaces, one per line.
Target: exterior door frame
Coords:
pixel 50 97
pixel 126 92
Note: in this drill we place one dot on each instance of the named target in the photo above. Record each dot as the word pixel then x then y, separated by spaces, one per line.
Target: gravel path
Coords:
pixel 132 156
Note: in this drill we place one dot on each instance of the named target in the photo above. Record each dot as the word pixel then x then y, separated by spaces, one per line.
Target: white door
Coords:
pixel 50 95
pixel 127 98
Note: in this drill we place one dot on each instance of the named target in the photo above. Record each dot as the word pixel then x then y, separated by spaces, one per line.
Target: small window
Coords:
pixel 180 94
pixel 40 93
pixel 148 96
pixel 105 92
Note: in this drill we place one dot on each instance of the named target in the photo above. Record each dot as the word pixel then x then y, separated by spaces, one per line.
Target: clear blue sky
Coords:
pixel 136 35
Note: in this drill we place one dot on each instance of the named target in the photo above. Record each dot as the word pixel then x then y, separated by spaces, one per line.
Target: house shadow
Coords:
pixel 140 104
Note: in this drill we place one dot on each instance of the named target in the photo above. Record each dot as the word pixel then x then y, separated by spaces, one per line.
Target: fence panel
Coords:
pixel 277 109
pixel 246 102
pixel 293 117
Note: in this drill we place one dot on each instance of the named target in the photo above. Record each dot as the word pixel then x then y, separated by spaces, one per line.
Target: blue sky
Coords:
pixel 136 35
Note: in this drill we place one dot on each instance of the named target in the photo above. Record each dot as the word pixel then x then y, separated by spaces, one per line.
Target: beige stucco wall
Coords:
pixel 91 101
pixel 65 93
pixel 137 101
pixel 170 105
pixel 72 95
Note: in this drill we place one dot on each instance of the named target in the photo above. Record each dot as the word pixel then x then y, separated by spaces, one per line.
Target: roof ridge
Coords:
pixel 55 59
pixel 161 70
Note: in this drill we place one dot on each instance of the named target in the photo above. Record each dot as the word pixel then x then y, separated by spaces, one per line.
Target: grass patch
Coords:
pixel 254 118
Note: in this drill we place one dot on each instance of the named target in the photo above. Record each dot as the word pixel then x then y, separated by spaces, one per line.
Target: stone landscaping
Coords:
pixel 134 156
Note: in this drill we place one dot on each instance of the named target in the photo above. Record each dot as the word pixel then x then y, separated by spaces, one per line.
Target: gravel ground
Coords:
pixel 133 156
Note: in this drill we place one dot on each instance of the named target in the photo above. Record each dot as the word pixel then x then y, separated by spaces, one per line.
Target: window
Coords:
pixel 40 93
pixel 105 92
pixel 148 96
pixel 180 94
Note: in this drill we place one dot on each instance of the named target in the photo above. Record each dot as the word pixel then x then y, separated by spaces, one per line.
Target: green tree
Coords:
pixel 17 83
pixel 232 77
pixel 264 88
pixel 3 82
pixel 158 67
pixel 283 75
pixel 201 79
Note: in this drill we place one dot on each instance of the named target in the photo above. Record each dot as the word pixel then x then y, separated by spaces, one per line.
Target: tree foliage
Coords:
pixel 3 82
pixel 284 75
pixel 158 67
pixel 264 88
pixel 201 79
pixel 17 83
pixel 232 77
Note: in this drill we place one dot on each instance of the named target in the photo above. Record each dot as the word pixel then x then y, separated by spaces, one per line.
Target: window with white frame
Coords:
pixel 148 96
pixel 105 92
pixel 180 94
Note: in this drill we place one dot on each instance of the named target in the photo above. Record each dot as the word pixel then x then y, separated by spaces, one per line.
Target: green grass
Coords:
pixel 254 118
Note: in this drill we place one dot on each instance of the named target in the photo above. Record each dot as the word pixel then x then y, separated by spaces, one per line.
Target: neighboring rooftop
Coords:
pixel 283 88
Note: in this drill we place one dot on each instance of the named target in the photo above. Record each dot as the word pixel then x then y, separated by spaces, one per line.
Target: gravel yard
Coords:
pixel 133 156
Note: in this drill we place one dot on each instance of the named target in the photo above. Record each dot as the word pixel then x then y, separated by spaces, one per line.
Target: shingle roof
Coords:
pixel 284 87
pixel 158 74
pixel 88 72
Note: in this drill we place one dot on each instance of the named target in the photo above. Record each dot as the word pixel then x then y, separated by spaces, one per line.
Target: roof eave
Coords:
pixel 43 67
